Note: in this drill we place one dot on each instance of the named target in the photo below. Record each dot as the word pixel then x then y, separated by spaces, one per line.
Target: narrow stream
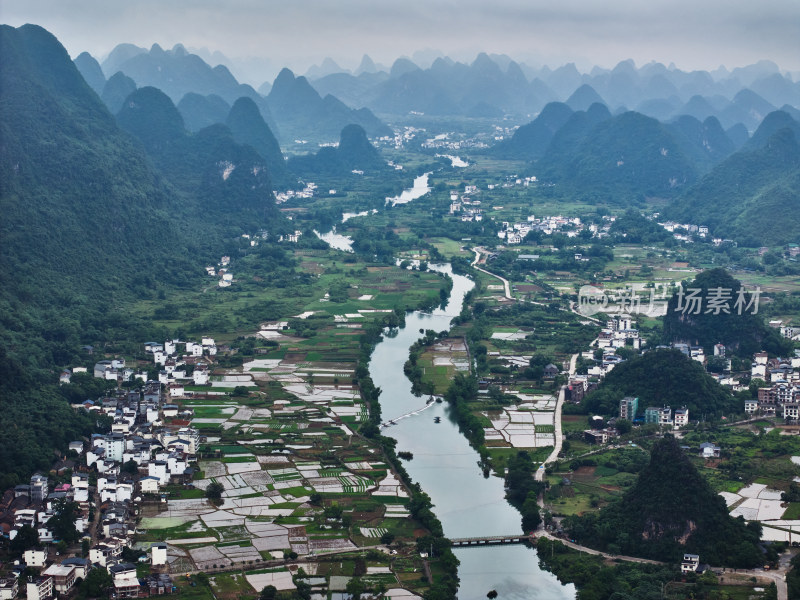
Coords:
pixel 446 467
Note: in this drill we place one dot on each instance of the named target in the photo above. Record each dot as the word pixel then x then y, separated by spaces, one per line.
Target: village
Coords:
pixel 157 492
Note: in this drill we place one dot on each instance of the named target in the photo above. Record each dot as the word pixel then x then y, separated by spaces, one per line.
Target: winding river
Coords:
pixel 446 467
pixel 418 190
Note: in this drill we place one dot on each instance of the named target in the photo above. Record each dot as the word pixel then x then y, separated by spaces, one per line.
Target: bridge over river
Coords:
pixel 493 539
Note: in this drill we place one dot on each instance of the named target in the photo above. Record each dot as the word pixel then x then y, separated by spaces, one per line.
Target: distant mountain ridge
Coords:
pixel 300 112
pixel 516 88
pixel 300 108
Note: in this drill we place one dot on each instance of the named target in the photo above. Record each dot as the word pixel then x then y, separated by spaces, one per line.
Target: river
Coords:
pixel 336 240
pixel 455 161
pixel 446 467
pixel 419 189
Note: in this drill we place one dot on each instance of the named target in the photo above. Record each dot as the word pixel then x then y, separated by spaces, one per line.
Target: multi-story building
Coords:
pixel 9 588
pixel 39 488
pixel 791 410
pixel 681 417
pixel 126 584
pixel 628 407
pixel 63 577
pixel 659 416
pixel 35 557
pixel 40 588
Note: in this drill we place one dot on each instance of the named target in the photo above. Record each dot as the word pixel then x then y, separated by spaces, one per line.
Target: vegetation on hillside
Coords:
pixel 662 378
pixel 732 319
pixel 670 510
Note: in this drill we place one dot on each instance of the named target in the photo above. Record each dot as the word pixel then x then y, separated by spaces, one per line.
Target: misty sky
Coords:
pixel 694 34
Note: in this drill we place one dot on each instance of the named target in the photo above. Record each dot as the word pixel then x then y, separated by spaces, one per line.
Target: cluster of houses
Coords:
pixel 629 409
pixel 58 579
pixel 620 332
pixel 688 232
pixel 182 363
pixel 781 397
pixel 223 272
pixel 293 237
pixel 399 138
pixel 307 192
pixel 514 233
pixel 443 141
pixel 102 480
pixel 111 370
pixel 464 204
pixel 35 503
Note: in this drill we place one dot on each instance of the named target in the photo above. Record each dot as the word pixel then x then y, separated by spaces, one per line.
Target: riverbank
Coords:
pixel 446 467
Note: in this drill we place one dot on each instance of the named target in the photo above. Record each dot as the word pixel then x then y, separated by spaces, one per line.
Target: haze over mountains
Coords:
pixel 118 179
pixel 205 94
pixel 497 83
pixel 614 136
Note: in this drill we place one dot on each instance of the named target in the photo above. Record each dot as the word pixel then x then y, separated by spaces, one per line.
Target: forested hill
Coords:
pixel 354 153
pixel 621 159
pixel 741 329
pixel 76 190
pixel 85 220
pixel 754 195
pixel 217 180
pixel 662 377
pixel 669 511
pixel 89 225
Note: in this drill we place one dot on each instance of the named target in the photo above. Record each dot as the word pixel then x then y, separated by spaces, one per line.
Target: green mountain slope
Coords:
pixel 91 71
pixel 216 177
pixel 117 88
pixel 91 223
pixel 658 378
pixel 531 140
pixel 248 127
pixel 671 510
pixel 74 192
pixel 705 144
pixel 201 111
pixel 742 330
pixel 624 158
pixel 753 196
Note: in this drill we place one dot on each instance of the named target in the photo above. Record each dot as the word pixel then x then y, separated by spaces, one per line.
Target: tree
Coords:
pixel 531 519
pixel 26 538
pixel 269 593
pixel 624 426
pixel 62 523
pixel 214 492
pixel 303 588
pixel 355 587
pixel 131 467
pixel 97 582
pixel 387 538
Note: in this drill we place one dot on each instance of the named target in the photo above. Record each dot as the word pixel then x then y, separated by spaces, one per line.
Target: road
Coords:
pixel 778 576
pixel 506 285
pixel 558 435
pixel 580 548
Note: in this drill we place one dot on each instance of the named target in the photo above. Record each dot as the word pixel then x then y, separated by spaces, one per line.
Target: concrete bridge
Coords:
pixel 490 540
